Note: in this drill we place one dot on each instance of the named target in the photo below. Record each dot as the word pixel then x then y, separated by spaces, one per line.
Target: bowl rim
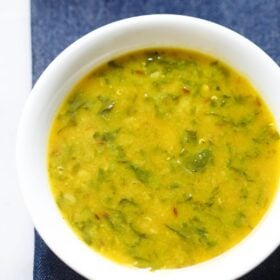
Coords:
pixel 247 265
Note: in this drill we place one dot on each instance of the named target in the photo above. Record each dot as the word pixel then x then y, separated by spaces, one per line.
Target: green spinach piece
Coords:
pixel 189 137
pixel 267 135
pixel 141 174
pixel 114 64
pixel 75 103
pixel 176 231
pixel 108 136
pixel 199 161
pixel 107 105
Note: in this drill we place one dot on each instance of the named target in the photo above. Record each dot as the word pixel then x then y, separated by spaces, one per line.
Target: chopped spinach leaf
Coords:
pixel 189 137
pixel 103 137
pixel 141 174
pixel 114 64
pixel 176 231
pixel 107 105
pixel 199 161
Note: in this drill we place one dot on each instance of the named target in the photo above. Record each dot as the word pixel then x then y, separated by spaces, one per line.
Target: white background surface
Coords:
pixel 16 230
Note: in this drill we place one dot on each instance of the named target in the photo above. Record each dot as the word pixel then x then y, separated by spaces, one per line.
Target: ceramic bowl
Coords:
pixel 70 66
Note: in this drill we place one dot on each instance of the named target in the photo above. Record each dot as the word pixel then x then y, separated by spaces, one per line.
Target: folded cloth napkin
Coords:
pixel 56 24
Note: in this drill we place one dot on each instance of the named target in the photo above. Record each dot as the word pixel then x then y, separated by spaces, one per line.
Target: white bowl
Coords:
pixel 93 49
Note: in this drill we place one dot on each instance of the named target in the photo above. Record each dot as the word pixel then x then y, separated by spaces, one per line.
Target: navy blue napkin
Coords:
pixel 57 23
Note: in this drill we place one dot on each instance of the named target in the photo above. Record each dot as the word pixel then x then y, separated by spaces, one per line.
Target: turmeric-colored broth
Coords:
pixel 163 158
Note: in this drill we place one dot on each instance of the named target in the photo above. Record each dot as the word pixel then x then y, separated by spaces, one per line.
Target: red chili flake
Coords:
pixel 96 216
pixel 55 153
pixel 185 89
pixel 105 215
pixel 258 102
pixel 140 72
pixel 175 211
pixel 207 99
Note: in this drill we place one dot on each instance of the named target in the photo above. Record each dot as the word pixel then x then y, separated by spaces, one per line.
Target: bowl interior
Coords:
pixel 89 52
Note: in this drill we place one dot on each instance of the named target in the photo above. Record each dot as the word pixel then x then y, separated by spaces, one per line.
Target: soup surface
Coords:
pixel 163 158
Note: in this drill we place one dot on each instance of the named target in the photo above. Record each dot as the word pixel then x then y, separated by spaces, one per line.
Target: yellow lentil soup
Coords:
pixel 163 158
